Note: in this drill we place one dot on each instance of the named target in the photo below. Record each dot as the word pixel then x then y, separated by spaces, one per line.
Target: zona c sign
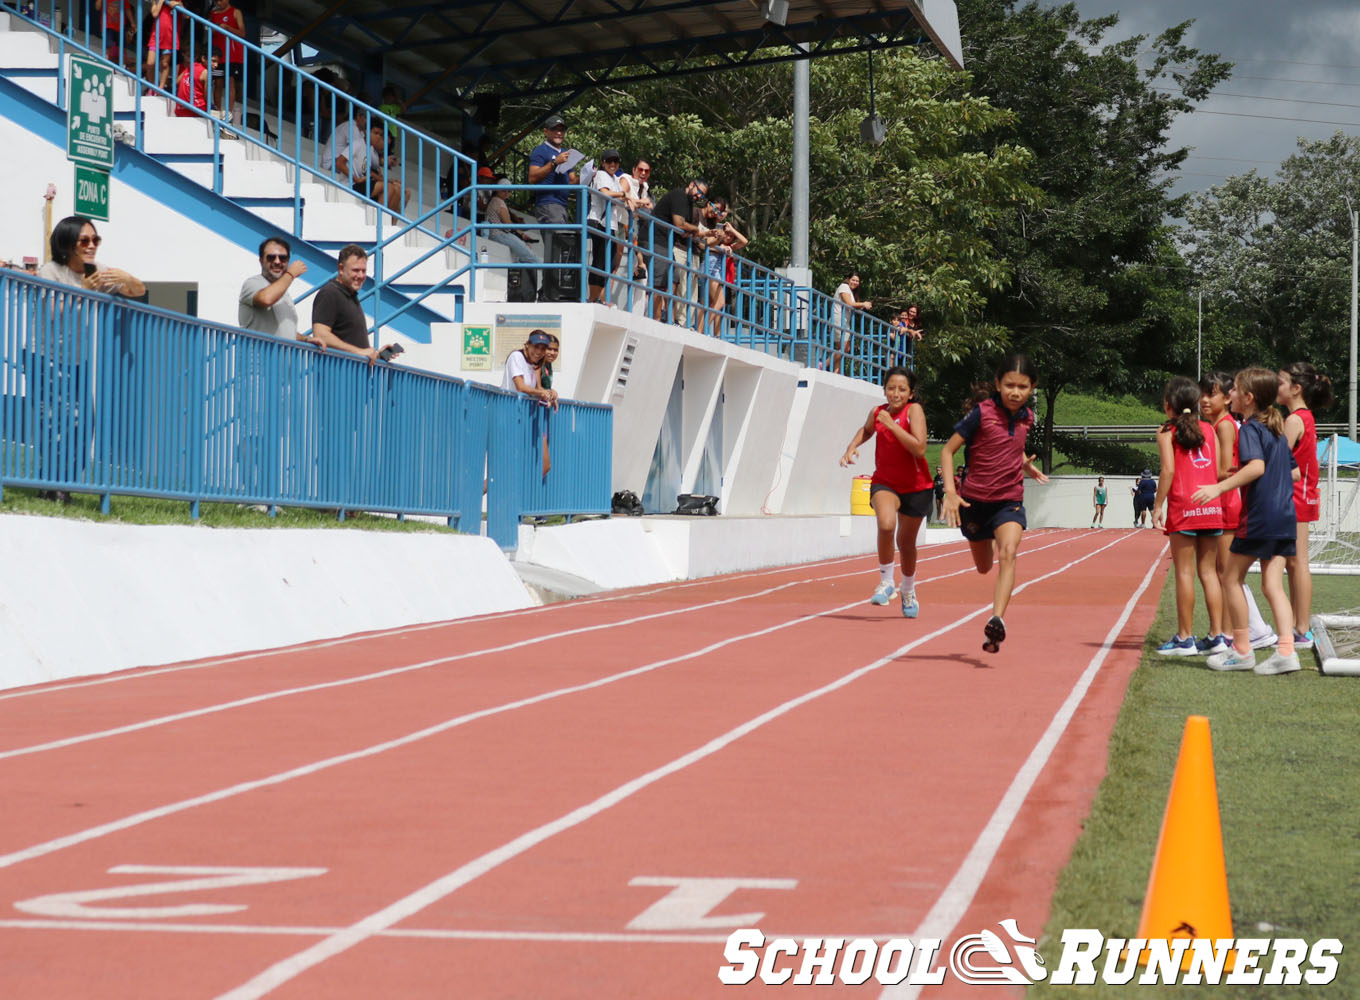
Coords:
pixel 92 193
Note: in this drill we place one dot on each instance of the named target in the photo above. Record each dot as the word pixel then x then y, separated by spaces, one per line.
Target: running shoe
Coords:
pixel 1176 646
pixel 1231 660
pixel 1212 644
pixel 1278 664
pixel 1303 640
pixel 883 593
pixel 910 608
pixel 995 631
pixel 1263 641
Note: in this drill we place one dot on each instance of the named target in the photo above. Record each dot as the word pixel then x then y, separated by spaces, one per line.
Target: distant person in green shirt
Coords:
pixel 1099 497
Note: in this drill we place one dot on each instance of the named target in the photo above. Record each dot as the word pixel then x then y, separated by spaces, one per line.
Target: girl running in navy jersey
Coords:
pixel 1189 461
pixel 1267 529
pixel 901 489
pixel 991 509
pixel 1303 387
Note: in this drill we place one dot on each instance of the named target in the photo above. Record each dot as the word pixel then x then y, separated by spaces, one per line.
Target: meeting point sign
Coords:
pixel 1011 958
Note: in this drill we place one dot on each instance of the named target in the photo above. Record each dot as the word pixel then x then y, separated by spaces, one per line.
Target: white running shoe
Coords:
pixel 1231 660
pixel 910 607
pixel 1278 664
pixel 883 593
pixel 1263 641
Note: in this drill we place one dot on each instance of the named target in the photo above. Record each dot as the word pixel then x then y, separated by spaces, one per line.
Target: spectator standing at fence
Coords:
pixel 846 304
pixel 523 369
pixel 680 208
pixel 723 239
pixel 547 165
pixel 164 41
pixel 338 320
pixel 265 303
pixel 603 218
pixel 545 370
pixel 117 14
pixel 74 244
pixel 229 72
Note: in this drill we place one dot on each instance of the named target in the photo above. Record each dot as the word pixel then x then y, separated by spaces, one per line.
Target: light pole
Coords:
pixel 1355 278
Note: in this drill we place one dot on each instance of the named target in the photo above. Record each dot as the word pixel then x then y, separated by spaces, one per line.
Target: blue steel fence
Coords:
pixel 104 396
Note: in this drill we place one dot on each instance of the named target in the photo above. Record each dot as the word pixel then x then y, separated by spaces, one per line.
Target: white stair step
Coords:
pixel 177 135
pixel 26 50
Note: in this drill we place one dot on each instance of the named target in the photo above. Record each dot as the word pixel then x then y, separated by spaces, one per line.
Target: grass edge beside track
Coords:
pixel 1289 797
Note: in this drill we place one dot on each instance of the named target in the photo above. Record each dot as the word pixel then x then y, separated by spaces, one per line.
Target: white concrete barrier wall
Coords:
pixel 79 598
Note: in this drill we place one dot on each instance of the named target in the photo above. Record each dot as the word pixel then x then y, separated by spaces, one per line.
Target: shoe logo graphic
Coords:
pixel 1004 959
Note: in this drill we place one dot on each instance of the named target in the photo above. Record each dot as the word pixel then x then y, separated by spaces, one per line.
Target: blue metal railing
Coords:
pixel 105 396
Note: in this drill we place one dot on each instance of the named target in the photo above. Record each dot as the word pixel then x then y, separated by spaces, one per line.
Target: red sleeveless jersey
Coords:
pixel 1307 499
pixel 191 90
pixel 1232 500
pixel 1193 469
pixel 232 51
pixel 894 466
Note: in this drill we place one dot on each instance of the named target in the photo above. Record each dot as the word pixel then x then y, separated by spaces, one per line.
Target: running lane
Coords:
pixel 831 762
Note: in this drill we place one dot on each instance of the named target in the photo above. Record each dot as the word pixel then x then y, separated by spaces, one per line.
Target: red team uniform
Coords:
pixel 894 466
pixel 1232 500
pixel 1307 499
pixel 1194 469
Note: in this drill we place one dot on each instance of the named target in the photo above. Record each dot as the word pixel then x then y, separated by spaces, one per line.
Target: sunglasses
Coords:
pixel 281 257
pixel 89 241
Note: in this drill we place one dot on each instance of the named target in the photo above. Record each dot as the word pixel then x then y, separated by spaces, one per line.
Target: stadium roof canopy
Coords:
pixel 558 49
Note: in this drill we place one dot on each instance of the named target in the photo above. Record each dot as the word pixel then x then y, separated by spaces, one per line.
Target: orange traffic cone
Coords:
pixel 1187 893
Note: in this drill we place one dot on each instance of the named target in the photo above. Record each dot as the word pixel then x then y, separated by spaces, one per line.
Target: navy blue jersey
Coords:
pixel 1268 502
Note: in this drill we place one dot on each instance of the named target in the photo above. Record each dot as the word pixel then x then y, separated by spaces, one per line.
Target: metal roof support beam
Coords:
pixel 315 23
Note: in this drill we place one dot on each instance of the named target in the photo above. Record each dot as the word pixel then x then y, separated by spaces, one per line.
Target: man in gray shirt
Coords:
pixel 264 303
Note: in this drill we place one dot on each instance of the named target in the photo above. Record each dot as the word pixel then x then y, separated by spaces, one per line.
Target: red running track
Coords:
pixel 581 800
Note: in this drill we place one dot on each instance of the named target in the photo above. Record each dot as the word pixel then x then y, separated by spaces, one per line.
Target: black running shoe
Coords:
pixel 995 631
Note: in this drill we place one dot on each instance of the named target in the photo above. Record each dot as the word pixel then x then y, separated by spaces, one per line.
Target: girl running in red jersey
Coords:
pixel 901 489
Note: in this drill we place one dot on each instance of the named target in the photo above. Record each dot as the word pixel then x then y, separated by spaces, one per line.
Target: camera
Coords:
pixel 390 351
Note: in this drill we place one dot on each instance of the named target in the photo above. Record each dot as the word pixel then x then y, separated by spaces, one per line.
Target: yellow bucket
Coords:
pixel 859 496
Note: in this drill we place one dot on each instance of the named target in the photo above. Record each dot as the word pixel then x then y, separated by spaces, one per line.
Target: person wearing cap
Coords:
pixel 547 165
pixel 522 368
pixel 604 187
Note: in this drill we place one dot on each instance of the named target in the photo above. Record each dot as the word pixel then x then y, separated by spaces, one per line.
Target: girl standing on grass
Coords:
pixel 1214 389
pixel 901 488
pixel 1303 387
pixel 1267 527
pixel 991 509
pixel 1189 460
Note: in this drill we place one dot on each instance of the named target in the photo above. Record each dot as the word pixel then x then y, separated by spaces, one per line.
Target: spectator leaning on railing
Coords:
pixel 604 188
pixel 680 208
pixel 524 367
pixel 842 315
pixel 74 243
pixel 265 305
pixel 722 239
pixel 338 320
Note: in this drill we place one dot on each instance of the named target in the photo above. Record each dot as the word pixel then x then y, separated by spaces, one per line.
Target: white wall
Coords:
pixel 93 598
pixel 1066 502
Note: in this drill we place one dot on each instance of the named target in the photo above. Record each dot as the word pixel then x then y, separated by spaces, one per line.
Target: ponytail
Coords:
pixel 1315 387
pixel 1181 397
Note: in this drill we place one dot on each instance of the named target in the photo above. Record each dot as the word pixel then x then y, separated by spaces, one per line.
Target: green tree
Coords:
pixel 913 216
pixel 1093 262
pixel 1275 255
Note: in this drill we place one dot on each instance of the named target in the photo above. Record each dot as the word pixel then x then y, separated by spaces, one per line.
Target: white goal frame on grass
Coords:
pixel 1334 540
pixel 1331 664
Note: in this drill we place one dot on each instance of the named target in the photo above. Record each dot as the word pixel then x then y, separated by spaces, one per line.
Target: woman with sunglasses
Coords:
pixel 74 243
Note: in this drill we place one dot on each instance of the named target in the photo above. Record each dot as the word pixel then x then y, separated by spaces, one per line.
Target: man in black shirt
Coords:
pixel 337 318
pixel 680 208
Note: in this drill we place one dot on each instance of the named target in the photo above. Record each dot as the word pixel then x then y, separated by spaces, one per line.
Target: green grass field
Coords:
pixel 1289 795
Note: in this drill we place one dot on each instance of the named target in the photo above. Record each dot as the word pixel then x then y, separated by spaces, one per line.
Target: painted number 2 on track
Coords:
pixel 188 878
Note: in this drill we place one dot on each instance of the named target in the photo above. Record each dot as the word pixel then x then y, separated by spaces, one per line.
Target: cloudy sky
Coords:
pixel 1297 67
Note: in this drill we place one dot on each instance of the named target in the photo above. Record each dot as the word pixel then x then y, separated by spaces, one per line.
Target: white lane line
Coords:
pixel 423 627
pixel 375 923
pixel 133 727
pixel 958 895
pixel 183 805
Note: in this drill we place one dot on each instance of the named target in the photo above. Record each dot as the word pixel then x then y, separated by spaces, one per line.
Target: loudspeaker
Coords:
pixel 520 285
pixel 561 285
pixel 488 109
